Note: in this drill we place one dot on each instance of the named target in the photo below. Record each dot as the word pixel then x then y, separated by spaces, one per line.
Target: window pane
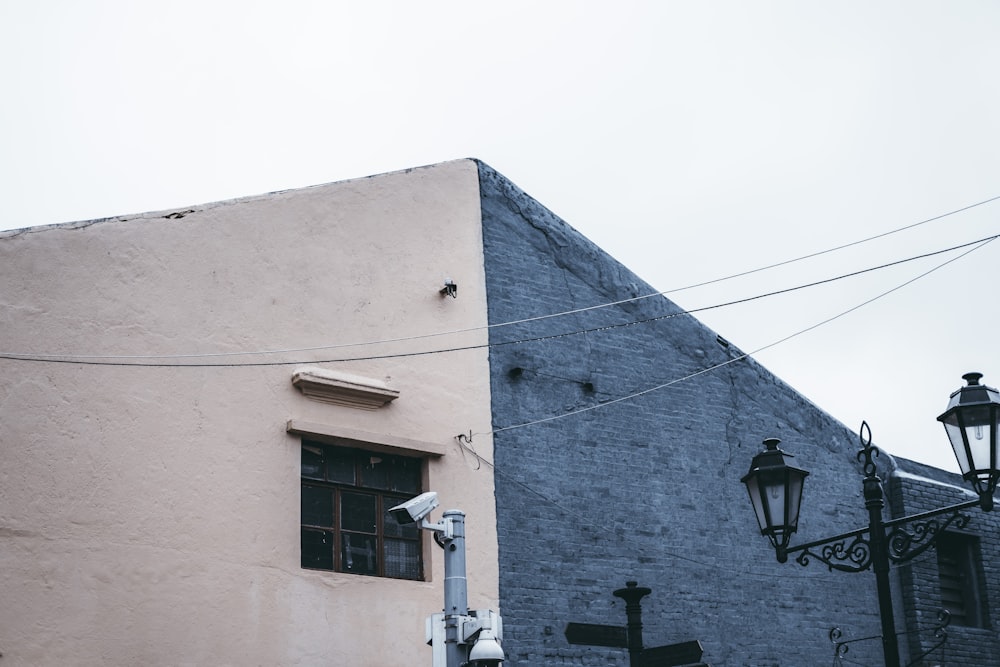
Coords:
pixel 340 465
pixel 375 472
pixel 317 506
pixel 312 461
pixel 358 554
pixel 357 512
pixel 317 549
pixel 402 559
pixel 405 476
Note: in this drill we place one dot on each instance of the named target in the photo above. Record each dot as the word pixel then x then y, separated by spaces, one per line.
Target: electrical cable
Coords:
pixel 743 355
pixel 524 320
pixel 465 441
pixel 660 550
pixel 105 360
pixel 741 572
pixel 668 552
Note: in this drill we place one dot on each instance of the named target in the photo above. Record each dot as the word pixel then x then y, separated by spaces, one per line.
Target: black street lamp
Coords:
pixel 971 421
pixel 776 493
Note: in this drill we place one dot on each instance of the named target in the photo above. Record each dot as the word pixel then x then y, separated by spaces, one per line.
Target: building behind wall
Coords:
pixel 960 575
pixel 177 509
pixel 593 490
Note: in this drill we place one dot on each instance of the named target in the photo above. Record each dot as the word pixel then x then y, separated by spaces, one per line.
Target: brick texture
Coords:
pixel 648 489
pixel 916 488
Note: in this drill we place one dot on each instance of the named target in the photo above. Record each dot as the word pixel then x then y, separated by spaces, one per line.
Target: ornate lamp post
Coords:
pixel 971 421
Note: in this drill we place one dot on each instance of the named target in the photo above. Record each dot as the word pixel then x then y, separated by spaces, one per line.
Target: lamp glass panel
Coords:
pixel 955 433
pixel 979 432
pixel 774 491
pixel 753 488
pixel 795 480
pixel 996 438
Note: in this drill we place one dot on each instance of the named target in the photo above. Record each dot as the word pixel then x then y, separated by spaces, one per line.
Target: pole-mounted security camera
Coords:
pixel 415 509
pixel 486 652
pixel 458 637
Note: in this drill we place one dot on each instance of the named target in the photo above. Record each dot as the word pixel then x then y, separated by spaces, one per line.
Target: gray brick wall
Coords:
pixel 648 489
pixel 917 488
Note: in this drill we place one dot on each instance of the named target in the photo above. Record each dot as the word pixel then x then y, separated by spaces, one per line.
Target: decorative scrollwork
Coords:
pixel 840 645
pixel 905 545
pixel 868 451
pixel 854 556
pixel 944 618
pixel 839 648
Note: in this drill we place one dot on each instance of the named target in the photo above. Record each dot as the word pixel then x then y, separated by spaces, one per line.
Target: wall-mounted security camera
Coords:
pixel 415 509
pixel 449 289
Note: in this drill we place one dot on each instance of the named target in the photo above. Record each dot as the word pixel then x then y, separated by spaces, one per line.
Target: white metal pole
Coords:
pixel 456 592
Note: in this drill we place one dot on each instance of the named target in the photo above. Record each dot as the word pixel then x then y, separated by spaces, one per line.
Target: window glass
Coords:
pixel 402 559
pixel 317 549
pixel 312 462
pixel 317 506
pixel 405 476
pixel 346 525
pixel 340 465
pixel 357 512
pixel 375 472
pixel 358 553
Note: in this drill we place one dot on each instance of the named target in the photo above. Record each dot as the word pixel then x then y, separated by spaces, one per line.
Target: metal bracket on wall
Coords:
pixel 840 648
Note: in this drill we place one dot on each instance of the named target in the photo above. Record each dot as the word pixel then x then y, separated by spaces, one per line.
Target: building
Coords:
pixel 151 514
pixel 206 413
pixel 959 575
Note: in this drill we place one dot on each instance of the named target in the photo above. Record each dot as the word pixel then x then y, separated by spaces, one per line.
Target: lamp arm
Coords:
pixel 904 545
pixel 957 507
pixel 837 553
pixel 852 551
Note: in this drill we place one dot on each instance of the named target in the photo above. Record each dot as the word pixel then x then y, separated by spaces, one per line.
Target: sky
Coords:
pixel 692 141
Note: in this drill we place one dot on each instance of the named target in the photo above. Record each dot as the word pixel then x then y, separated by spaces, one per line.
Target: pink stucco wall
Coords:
pixel 149 515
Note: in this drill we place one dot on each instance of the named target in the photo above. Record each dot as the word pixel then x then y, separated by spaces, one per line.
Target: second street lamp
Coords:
pixel 972 421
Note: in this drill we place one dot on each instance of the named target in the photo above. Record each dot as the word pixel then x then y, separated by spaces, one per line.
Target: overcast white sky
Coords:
pixel 691 140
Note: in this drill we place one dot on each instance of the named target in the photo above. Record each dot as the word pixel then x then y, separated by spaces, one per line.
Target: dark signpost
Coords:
pixel 590 634
pixel 630 637
pixel 684 653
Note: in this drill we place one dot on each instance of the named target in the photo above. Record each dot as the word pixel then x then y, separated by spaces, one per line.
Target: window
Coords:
pixel 346 526
pixel 958 572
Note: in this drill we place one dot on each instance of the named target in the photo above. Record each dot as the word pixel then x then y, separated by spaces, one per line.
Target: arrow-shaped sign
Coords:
pixel 590 634
pixel 672 655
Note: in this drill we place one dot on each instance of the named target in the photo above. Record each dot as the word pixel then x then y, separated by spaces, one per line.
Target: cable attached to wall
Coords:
pixel 27 357
pixel 741 356
pixel 136 360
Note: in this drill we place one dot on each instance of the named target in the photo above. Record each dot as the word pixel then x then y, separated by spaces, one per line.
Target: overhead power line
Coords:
pixel 334 346
pixel 142 360
pixel 741 356
pixel 466 442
